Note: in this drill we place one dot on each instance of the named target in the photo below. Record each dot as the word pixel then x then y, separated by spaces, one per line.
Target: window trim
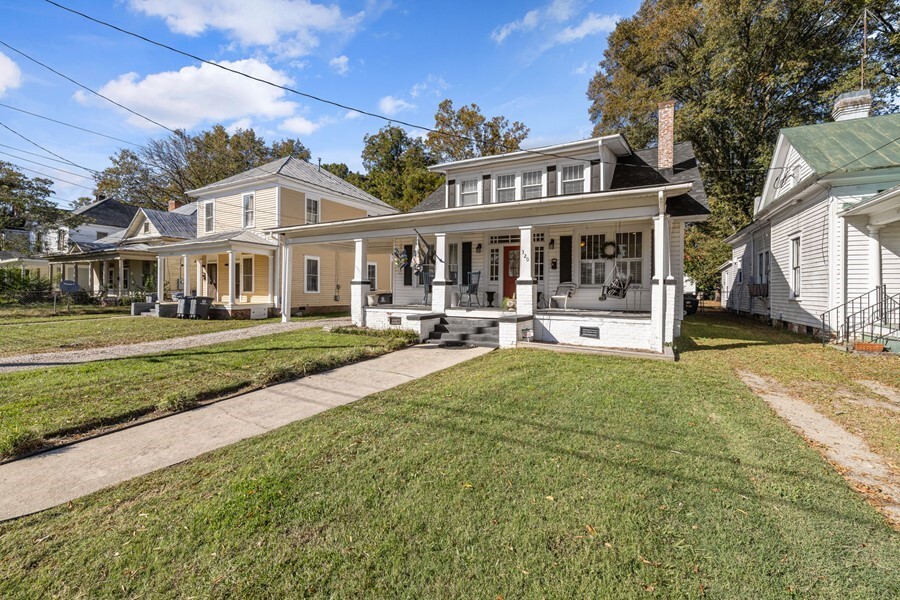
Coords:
pixel 601 241
pixel 244 289
pixel 318 260
pixel 459 191
pixel 373 281
pixel 252 211
pixel 762 267
pixel 633 260
pixel 209 216
pixel 494 264
pixel 317 212
pixel 541 185
pixel 563 180
pixel 495 197
pixel 145 228
pixel 795 288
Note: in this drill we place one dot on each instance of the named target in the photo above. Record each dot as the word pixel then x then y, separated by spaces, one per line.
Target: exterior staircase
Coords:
pixel 466 330
pixel 870 319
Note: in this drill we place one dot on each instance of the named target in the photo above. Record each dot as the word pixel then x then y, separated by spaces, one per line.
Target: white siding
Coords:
pixel 796 170
pixel 810 221
pixel 890 257
pixel 857 252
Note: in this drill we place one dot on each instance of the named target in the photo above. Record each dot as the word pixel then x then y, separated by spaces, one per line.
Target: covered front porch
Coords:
pixel 561 272
pixel 237 272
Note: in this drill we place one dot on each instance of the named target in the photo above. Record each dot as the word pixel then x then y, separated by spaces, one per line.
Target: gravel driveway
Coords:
pixel 25 362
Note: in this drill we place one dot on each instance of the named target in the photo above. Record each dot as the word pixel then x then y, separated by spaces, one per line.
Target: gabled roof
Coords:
pixel 187 209
pixel 846 146
pixel 299 170
pixel 172 224
pixel 109 212
pixel 639 169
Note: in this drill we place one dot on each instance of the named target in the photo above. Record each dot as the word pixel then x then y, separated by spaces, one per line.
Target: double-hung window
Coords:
pixel 795 267
pixel 762 267
pixel 312 211
pixel 532 185
pixel 506 188
pixel 209 217
pixel 630 258
pixel 468 192
pixel 248 204
pixel 573 179
pixel 247 274
pixel 593 266
pixel 311 283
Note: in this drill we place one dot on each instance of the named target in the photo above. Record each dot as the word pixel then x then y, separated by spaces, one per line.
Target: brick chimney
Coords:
pixel 852 105
pixel 665 146
pixel 173 204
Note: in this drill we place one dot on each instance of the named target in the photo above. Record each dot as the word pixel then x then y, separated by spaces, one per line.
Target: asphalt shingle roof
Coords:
pixel 109 212
pixel 844 146
pixel 300 170
pixel 433 201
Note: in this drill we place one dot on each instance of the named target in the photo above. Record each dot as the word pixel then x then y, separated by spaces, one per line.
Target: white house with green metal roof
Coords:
pixel 822 253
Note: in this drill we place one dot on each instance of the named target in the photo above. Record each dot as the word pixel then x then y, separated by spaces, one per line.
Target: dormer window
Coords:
pixel 248 208
pixel 573 179
pixel 532 186
pixel 146 227
pixel 468 192
pixel 506 188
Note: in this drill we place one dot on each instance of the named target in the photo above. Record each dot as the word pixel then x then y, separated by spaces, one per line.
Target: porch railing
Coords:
pixel 873 315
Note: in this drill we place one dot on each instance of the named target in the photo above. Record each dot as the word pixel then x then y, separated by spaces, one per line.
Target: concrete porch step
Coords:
pixel 492 330
pixel 468 322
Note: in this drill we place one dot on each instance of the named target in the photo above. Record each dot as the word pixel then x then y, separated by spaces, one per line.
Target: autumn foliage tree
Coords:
pixel 466 133
pixel 739 71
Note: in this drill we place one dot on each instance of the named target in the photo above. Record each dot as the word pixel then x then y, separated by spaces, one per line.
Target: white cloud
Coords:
pixel 287 27
pixel 195 95
pixel 10 74
pixel 591 25
pixel 340 64
pixel 558 11
pixel 432 84
pixel 243 123
pixel 300 126
pixel 391 105
pixel 582 68
pixel 352 115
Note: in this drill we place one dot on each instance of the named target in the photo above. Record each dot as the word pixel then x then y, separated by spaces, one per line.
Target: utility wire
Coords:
pixel 34 162
pixel 33 143
pixel 41 173
pixel 33 154
pixel 84 87
pixel 68 125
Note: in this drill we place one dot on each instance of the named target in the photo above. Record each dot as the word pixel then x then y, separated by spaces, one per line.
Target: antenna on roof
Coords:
pixel 865 49
pixel 320 163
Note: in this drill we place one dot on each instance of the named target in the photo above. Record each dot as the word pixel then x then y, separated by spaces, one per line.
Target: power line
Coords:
pixel 41 173
pixel 46 165
pixel 68 125
pixel 81 85
pixel 33 143
pixel 33 154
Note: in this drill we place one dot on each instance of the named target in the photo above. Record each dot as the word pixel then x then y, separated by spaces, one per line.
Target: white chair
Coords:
pixel 564 291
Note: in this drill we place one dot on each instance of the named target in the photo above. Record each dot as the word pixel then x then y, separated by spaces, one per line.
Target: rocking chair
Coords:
pixel 470 288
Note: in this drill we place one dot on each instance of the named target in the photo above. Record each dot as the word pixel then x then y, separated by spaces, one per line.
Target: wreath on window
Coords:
pixel 609 251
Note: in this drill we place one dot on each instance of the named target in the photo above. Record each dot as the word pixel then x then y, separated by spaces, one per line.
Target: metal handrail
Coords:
pixel 836 323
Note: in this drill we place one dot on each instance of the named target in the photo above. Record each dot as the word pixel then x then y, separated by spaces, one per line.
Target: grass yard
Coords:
pixel 29 338
pixel 520 474
pixel 42 313
pixel 38 405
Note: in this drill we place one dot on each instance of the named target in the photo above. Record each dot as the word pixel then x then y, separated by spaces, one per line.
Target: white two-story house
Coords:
pixel 822 253
pixel 236 261
pixel 578 243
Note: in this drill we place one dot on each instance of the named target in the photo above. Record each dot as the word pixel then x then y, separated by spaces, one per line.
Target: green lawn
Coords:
pixel 520 474
pixel 38 405
pixel 40 313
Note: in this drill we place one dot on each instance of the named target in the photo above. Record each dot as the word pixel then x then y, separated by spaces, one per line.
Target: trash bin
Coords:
pixel 184 307
pixel 200 307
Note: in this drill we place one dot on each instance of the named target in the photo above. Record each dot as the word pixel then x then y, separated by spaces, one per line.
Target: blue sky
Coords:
pixel 530 61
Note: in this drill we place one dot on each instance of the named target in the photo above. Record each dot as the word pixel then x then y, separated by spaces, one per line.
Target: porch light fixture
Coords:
pixel 552 244
pixel 478 249
pixel 553 264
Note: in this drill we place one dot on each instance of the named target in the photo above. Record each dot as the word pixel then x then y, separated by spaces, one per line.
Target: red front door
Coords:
pixel 510 270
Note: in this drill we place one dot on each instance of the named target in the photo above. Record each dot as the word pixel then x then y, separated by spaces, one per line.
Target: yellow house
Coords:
pixel 238 263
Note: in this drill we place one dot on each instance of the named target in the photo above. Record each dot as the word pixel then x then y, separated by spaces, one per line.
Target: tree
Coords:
pixel 466 133
pixel 344 172
pixel 397 168
pixel 739 72
pixel 25 204
pixel 165 169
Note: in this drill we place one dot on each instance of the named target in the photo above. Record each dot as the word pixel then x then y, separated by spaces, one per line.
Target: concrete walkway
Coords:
pixel 25 362
pixel 58 476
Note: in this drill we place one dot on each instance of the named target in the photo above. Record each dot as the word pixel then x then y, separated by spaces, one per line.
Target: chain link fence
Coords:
pixel 24 295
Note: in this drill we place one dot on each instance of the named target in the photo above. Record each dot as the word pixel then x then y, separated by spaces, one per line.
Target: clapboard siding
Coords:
pixel 293 208
pixel 890 257
pixel 796 170
pixel 857 257
pixel 810 222
pixel 229 212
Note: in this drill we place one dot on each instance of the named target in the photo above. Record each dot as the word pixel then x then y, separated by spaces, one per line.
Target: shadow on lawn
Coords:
pixel 725 331
pixel 529 442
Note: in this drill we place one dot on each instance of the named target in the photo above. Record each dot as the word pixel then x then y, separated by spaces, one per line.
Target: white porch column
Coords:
pixel 160 278
pixel 440 292
pixel 185 274
pixel 359 286
pixel 526 286
pixel 271 260
pixel 277 286
pixel 231 268
pixel 287 255
pixel 199 275
pixel 661 277
pixel 104 276
pixel 121 266
pixel 875 278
